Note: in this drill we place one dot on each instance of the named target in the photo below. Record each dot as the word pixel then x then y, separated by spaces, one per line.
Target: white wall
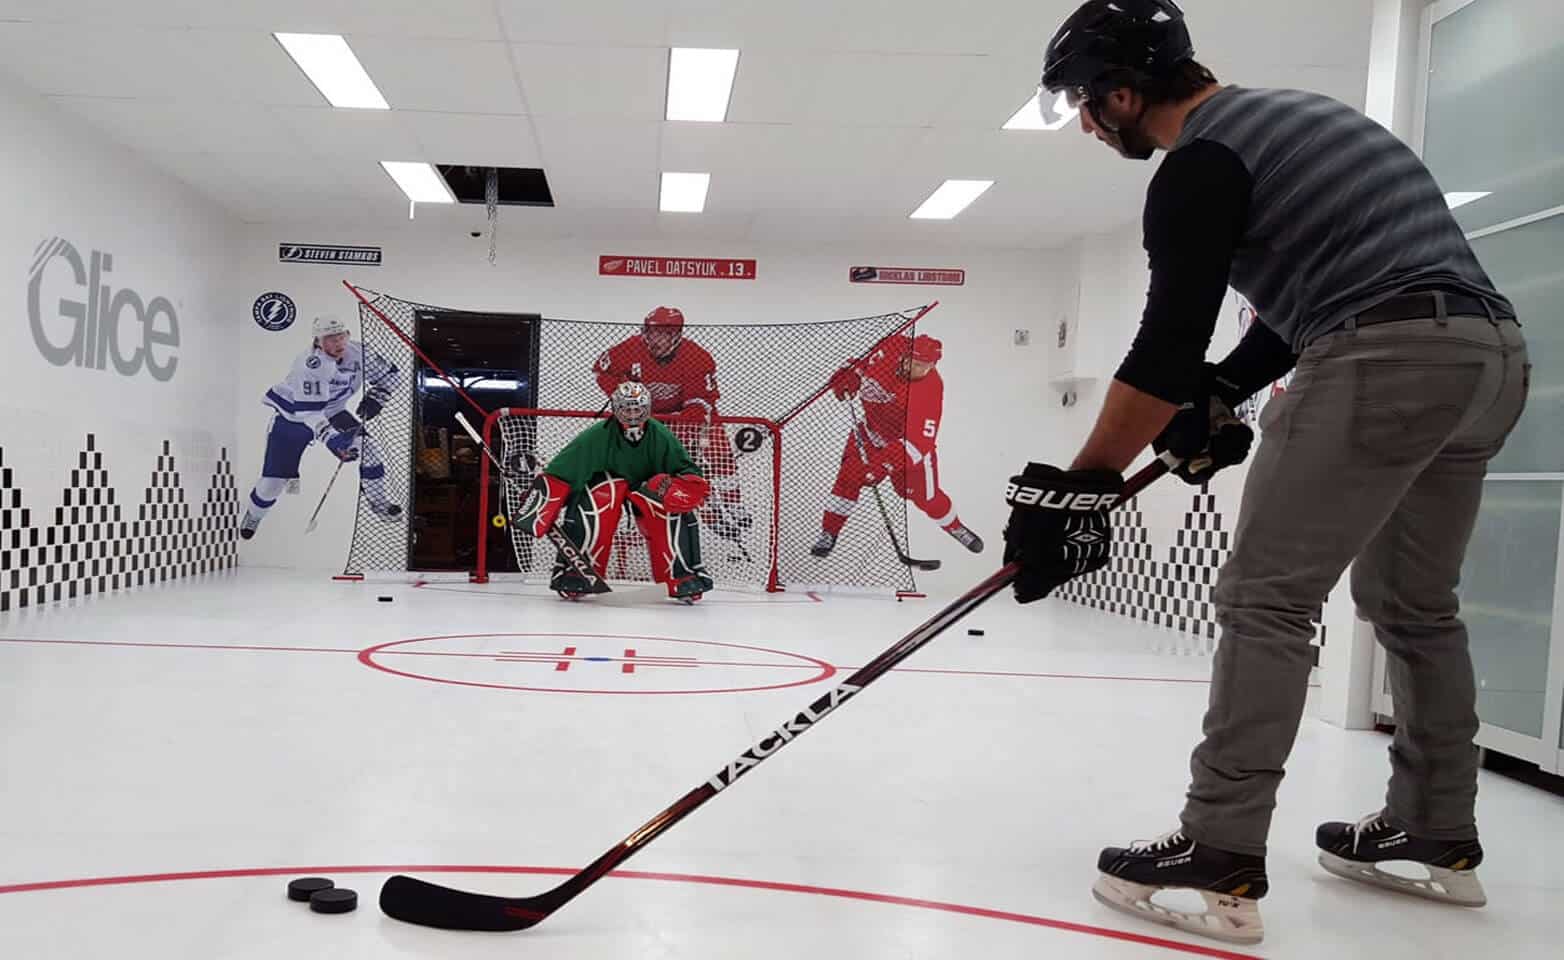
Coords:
pixel 999 410
pixel 67 183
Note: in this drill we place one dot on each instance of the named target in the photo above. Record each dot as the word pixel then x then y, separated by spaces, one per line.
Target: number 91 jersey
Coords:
pixel 687 377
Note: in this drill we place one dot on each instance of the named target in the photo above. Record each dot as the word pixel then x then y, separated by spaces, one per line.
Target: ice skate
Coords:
pixel 385 511
pixel 1357 851
pixel 965 536
pixel 1230 883
pixel 689 590
pixel 249 524
pixel 572 586
pixel 824 545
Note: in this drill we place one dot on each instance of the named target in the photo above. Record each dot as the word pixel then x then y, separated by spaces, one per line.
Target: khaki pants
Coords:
pixel 1376 453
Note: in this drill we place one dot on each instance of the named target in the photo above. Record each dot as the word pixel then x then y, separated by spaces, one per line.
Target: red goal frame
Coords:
pixel 486 470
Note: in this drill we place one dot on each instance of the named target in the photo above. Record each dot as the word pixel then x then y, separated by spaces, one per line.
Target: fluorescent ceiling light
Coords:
pixel 1032 116
pixel 421 182
pixel 684 192
pixel 1462 199
pixel 952 197
pixel 331 66
pixel 700 83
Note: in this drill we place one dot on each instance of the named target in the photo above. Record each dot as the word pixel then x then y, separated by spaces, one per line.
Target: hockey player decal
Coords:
pixel 893 438
pixel 310 405
pixel 681 378
pixel 632 458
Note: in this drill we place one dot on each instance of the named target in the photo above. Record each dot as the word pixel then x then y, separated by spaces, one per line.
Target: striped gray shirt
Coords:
pixel 1343 215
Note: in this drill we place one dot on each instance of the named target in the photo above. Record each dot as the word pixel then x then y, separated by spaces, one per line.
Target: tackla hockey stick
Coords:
pixel 431 905
pixel 885 514
pixel 568 550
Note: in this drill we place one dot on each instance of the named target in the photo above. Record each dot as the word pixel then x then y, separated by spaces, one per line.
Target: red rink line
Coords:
pixel 552 657
pixel 767 885
pixel 543 594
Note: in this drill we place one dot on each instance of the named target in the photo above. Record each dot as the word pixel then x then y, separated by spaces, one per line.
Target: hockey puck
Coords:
pixel 305 887
pixel 335 900
pixel 974 633
pixel 384 599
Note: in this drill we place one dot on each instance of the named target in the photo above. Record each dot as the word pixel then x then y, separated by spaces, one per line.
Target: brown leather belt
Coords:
pixel 1426 305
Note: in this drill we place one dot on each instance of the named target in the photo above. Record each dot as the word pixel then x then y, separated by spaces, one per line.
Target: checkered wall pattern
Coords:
pixel 1174 592
pixel 90 547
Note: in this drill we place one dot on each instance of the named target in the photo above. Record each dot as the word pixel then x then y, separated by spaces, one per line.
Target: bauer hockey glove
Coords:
pixel 1205 433
pixel 1059 526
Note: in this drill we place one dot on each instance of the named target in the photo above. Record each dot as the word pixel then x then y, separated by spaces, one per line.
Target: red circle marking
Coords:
pixel 826 670
pixel 767 885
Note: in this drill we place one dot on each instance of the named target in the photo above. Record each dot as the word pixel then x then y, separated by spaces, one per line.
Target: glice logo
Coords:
pixel 97 324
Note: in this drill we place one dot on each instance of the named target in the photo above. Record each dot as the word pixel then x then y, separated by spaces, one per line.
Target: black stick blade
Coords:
pixel 430 905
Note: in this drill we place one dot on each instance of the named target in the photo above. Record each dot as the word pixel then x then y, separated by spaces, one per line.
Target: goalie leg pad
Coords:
pixel 545 500
pixel 590 519
pixel 673 546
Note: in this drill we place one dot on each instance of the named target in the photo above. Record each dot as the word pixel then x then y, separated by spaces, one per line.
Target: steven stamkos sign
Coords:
pixel 682 268
pixel 768 745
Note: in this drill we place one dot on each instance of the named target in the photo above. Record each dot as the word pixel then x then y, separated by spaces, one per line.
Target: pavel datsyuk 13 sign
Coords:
pixel 683 268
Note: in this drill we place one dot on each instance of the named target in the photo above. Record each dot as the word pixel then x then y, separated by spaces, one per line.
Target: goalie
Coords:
pixel 626 458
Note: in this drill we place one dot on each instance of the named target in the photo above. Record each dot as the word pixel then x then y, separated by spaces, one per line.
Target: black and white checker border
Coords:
pixel 88 546
pixel 1174 592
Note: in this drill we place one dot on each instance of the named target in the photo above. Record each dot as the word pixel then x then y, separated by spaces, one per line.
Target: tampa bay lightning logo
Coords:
pixel 274 311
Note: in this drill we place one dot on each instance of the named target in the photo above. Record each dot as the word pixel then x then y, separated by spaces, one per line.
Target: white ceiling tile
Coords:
pixel 498 141
pixel 446 75
pixel 600 164
pixel 369 134
pixel 772 86
pixel 629 82
pixel 159 126
pixel 468 19
pixel 603 22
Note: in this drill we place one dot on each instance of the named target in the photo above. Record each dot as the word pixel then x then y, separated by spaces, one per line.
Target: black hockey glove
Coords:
pixel 374 401
pixel 1059 526
pixel 1205 433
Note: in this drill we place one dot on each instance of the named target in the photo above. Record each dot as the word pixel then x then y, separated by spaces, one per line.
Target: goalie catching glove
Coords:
pixel 1059 526
pixel 671 495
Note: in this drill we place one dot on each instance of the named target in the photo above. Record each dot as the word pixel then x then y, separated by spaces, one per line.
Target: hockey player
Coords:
pixel 1411 373
pixel 903 398
pixel 310 404
pixel 632 458
pixel 682 380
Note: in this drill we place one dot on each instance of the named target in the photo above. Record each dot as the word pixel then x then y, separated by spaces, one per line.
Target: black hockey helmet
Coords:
pixel 1147 37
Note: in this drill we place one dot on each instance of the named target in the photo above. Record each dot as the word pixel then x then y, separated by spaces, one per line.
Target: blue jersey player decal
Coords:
pixel 310 404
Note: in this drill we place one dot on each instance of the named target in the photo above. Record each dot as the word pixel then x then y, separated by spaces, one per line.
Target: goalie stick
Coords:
pixel 885 514
pixel 428 904
pixel 568 550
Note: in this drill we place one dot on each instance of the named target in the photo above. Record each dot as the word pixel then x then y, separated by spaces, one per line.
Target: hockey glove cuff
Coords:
pixel 1204 433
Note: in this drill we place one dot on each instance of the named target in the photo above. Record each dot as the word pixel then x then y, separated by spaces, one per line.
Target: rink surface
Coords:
pixel 172 757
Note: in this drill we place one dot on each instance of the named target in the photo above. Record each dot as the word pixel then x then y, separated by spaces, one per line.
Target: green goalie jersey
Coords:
pixel 602 447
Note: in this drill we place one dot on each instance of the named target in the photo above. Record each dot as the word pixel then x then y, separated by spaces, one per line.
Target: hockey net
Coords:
pixel 787 434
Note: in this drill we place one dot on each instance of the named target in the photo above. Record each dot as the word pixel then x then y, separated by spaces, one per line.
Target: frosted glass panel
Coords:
pixel 1527 265
pixel 1493 121
pixel 1507 600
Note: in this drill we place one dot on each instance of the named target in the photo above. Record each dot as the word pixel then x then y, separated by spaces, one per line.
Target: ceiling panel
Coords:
pixel 445 75
pixel 602 164
pixel 158 126
pixel 470 19
pixel 629 82
pixel 373 135
pixel 476 139
pixel 597 22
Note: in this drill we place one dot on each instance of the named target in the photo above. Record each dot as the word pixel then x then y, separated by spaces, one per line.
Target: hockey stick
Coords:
pixel 568 550
pixel 431 905
pixel 329 484
pixel 885 514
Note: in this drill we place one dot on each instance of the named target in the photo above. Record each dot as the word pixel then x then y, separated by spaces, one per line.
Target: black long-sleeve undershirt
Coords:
pixel 1196 211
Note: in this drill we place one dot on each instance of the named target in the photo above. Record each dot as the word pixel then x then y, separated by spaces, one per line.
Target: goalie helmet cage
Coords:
pixel 771 381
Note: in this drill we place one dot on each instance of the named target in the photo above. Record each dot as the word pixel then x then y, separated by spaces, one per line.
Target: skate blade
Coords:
pixel 1458 887
pixel 1227 918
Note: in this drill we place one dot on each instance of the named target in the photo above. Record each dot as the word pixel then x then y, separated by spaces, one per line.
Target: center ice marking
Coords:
pixel 566 657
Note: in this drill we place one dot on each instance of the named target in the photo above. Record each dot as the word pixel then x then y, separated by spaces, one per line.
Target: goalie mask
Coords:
pixel 632 406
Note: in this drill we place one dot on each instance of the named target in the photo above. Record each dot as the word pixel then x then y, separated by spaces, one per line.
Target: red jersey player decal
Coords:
pixel 903 399
pixel 682 379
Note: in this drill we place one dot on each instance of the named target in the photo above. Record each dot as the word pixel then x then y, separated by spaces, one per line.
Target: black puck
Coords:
pixel 335 900
pixel 304 887
pixel 974 633
pixel 384 599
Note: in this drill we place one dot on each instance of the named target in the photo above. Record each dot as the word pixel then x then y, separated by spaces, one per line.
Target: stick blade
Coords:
pixel 430 905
